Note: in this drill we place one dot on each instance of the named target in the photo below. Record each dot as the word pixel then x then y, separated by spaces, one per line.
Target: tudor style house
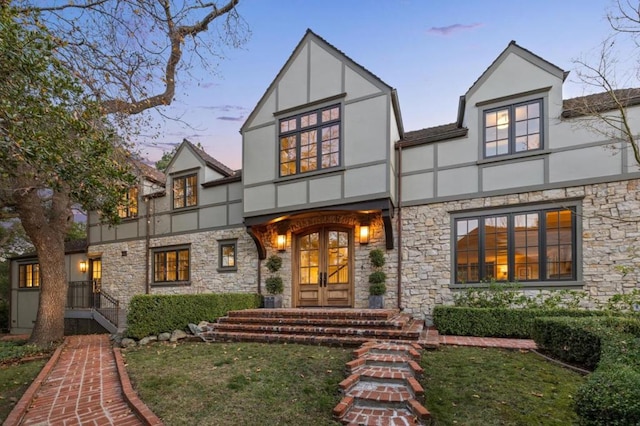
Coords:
pixel 517 188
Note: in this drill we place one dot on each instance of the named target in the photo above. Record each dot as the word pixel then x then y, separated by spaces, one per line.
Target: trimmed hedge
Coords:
pixel 611 394
pixel 154 314
pixel 497 322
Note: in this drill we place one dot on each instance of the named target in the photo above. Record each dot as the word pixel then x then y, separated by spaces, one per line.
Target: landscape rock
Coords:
pixel 147 340
pixel 177 335
pixel 127 343
pixel 195 330
pixel 163 337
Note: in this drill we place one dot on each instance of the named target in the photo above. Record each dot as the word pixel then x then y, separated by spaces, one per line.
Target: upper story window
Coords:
pixel 513 128
pixel 129 206
pixel 520 246
pixel 171 265
pixel 185 191
pixel 310 141
pixel 29 275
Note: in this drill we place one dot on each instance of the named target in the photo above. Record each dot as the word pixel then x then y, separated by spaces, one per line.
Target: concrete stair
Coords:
pixel 382 386
pixel 343 327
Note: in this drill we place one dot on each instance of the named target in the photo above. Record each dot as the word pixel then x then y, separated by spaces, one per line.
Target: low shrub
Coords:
pixel 572 340
pixel 154 314
pixel 496 322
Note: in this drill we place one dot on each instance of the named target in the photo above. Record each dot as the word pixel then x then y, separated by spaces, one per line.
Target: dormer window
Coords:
pixel 185 191
pixel 513 129
pixel 129 206
pixel 310 141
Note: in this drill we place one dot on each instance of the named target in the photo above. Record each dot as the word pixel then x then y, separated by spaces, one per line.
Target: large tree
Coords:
pixel 55 150
pixel 93 64
pixel 613 78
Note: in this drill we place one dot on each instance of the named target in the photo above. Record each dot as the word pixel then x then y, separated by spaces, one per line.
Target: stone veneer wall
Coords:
pixel 361 263
pixel 610 219
pixel 124 276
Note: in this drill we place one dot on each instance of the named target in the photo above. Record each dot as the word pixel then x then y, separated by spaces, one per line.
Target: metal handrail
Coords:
pixel 107 305
pixel 89 295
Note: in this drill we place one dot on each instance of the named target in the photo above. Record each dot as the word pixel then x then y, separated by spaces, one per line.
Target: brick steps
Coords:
pixel 382 388
pixel 341 327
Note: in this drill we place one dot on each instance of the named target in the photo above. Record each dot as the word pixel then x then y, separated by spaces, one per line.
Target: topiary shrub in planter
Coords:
pixel 377 279
pixel 274 284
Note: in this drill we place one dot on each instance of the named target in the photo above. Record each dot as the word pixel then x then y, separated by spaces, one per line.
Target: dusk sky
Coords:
pixel 430 51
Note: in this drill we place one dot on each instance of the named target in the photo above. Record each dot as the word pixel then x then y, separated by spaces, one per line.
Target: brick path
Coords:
pixel 82 388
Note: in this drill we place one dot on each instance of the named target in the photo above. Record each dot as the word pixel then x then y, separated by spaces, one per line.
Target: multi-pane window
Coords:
pixel 310 141
pixel 228 255
pixel 519 246
pixel 513 128
pixel 29 275
pixel 171 265
pixel 185 191
pixel 129 206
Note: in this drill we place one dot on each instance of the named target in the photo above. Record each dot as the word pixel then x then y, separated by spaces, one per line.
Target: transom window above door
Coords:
pixel 513 129
pixel 310 141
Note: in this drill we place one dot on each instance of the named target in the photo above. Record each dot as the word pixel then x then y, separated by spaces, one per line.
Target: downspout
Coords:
pixel 399 172
pixel 259 275
pixel 147 287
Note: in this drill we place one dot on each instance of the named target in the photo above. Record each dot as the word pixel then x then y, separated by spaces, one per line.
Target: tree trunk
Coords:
pixel 46 224
pixel 49 326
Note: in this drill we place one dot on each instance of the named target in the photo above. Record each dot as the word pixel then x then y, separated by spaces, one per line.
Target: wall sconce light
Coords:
pixel 83 266
pixel 282 242
pixel 364 233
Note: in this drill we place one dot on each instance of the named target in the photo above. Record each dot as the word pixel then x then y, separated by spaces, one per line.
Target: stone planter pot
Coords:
pixel 376 302
pixel 272 301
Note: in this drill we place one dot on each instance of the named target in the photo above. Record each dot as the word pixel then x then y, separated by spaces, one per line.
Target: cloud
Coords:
pixel 228 118
pixel 208 85
pixel 450 29
pixel 225 108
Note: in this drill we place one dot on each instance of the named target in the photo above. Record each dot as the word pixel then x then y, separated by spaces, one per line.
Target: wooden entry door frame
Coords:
pixel 323 272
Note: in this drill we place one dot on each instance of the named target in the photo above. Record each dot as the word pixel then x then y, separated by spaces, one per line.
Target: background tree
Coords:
pixel 108 58
pixel 613 80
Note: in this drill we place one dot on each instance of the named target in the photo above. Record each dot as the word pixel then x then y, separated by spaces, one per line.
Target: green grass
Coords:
pixel 16 376
pixel 239 383
pixel 472 386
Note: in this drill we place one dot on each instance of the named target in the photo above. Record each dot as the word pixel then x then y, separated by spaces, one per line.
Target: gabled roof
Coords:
pixel 309 34
pixel 599 102
pixel 514 47
pixel 209 160
pixel 236 177
pixel 432 134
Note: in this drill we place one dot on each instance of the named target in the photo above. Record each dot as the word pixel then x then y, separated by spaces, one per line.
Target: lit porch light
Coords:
pixel 364 234
pixel 83 266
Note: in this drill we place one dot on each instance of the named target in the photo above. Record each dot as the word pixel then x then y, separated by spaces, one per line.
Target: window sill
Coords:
pixel 225 270
pixel 529 285
pixel 28 288
pixel 511 157
pixel 305 175
pixel 128 219
pixel 184 209
pixel 172 284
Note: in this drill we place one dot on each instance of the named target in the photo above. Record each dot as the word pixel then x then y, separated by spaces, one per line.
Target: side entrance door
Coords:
pixel 324 271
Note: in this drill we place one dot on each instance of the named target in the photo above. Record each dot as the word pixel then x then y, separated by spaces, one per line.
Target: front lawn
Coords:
pixel 478 386
pixel 239 383
pixel 19 365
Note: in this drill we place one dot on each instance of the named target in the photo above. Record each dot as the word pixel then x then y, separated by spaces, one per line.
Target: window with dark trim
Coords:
pixel 227 255
pixel 29 275
pixel 310 141
pixel 513 128
pixel 171 265
pixel 520 246
pixel 185 191
pixel 129 206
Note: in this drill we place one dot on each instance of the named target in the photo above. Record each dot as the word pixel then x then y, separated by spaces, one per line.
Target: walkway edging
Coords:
pixel 141 409
pixel 18 412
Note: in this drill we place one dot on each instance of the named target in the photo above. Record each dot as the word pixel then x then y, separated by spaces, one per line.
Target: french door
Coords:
pixel 323 271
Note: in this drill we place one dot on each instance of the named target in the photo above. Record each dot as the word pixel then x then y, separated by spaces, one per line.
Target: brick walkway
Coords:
pixel 82 388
